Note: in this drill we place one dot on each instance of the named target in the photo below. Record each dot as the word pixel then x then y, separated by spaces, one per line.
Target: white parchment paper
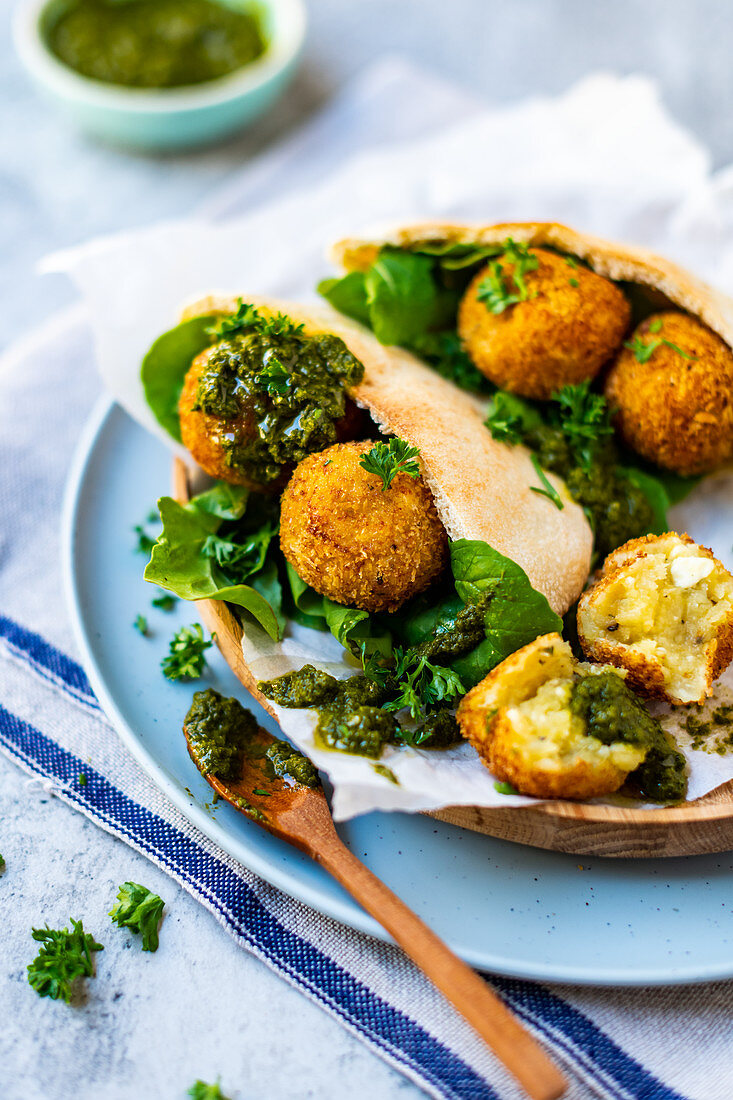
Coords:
pixel 604 158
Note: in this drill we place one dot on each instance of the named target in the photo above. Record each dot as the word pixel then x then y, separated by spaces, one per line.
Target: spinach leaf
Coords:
pixel 179 563
pixel 348 295
pixel 402 296
pixel 165 365
pixel 655 493
pixel 350 626
pixel 516 614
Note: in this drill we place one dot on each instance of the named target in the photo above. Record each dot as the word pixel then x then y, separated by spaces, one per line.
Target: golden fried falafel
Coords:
pixel 520 723
pixel 673 392
pixel 203 435
pixel 663 611
pixel 355 542
pixel 569 324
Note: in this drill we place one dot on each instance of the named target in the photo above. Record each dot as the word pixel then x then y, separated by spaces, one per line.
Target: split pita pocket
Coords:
pixel 482 488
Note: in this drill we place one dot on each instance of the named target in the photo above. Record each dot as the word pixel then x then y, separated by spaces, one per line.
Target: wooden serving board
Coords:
pixel 580 828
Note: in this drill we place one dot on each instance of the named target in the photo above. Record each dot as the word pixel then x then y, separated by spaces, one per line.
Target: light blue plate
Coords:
pixel 504 907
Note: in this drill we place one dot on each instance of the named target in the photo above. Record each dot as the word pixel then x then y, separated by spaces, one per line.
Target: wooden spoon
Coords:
pixel 302 817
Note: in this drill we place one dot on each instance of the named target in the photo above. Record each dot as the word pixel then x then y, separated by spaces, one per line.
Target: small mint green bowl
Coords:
pixel 169 118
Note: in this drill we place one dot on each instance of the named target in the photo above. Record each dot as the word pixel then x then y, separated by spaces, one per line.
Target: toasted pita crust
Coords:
pixel 482 488
pixel 620 262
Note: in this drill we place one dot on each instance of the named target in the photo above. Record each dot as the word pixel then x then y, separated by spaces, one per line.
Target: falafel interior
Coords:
pixel 663 611
pixel 556 728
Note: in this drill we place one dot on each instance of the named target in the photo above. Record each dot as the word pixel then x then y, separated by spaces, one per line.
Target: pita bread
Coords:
pixel 620 262
pixel 482 488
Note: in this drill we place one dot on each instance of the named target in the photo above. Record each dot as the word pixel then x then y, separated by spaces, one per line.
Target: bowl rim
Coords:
pixel 289 21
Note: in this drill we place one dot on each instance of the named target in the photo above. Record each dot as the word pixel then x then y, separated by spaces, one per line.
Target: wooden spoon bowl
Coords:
pixel 580 828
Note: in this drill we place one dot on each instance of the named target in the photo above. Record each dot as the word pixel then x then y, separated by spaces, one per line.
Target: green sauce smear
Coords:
pixel 220 733
pixel 351 717
pixel 613 713
pixel 154 43
pixel 290 384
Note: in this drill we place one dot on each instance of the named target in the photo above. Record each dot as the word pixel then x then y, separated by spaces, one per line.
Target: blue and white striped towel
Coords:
pixel 646 1045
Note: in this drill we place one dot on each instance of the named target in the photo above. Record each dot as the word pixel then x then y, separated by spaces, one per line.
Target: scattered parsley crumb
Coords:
pixel 201 1091
pixel 141 625
pixel 65 954
pixel 82 780
pixel 573 282
pixel 2 864
pixel 140 910
pixel 185 659
pixel 165 602
pixel 504 788
pixel 258 790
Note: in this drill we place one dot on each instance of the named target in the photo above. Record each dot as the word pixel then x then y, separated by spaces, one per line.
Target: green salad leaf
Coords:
pixel 354 629
pixel 200 554
pixel 165 365
pixel 348 295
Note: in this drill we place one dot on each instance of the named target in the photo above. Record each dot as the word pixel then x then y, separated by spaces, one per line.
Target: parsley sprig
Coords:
pixel 246 316
pixel 65 954
pixel 416 683
pixel 200 1090
pixel 387 460
pixel 140 910
pixel 644 349
pixel 185 659
pixel 548 489
pixel 495 290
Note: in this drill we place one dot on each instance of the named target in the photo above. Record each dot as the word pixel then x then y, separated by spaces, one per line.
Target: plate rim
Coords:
pixel 344 911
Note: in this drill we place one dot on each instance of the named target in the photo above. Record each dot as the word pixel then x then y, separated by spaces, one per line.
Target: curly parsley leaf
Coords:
pixel 548 489
pixel 499 291
pixel 200 1090
pixel 144 542
pixel 65 954
pixel 444 353
pixel 387 460
pixel 249 317
pixel 414 682
pixel 274 378
pixel 185 659
pixel 140 910
pixel 511 418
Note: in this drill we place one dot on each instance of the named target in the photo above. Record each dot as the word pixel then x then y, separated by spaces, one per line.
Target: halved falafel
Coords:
pixel 672 387
pixel 565 324
pixel 354 541
pixel 520 722
pixel 663 611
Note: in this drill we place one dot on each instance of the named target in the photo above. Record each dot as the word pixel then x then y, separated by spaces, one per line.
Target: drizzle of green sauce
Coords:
pixel 220 733
pixel 613 713
pixel 153 43
pixel 288 763
pixel 350 714
pixel 218 730
pixel 617 509
pixel 387 773
pixel 708 736
pixel 290 386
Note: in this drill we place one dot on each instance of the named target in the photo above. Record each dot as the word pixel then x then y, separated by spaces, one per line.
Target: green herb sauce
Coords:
pixel 350 718
pixel 218 730
pixel 291 387
pixel 617 509
pixel 154 43
pixel 613 713
pixel 288 763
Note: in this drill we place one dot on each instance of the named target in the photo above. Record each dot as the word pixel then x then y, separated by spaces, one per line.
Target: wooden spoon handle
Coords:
pixel 464 988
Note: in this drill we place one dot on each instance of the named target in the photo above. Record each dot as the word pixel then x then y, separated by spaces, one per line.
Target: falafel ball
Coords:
pixel 355 542
pixel 203 435
pixel 571 322
pixel 676 406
